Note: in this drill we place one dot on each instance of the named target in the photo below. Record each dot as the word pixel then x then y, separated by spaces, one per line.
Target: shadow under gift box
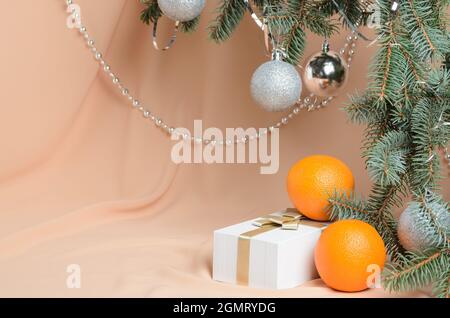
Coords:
pixel 268 256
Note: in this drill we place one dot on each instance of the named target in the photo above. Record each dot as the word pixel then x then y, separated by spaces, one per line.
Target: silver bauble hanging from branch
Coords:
pixel 412 235
pixel 181 10
pixel 325 73
pixel 276 85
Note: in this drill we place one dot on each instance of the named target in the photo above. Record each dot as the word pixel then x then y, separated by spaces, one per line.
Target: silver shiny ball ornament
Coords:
pixel 413 237
pixel 325 74
pixel 276 85
pixel 181 10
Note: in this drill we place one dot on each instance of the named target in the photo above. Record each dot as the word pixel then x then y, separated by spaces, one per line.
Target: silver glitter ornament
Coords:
pixel 413 237
pixel 325 73
pixel 181 10
pixel 276 85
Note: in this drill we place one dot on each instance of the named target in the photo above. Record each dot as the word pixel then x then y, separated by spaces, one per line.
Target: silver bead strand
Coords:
pixel 310 102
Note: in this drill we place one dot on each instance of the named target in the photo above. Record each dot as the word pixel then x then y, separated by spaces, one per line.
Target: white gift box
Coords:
pixel 267 256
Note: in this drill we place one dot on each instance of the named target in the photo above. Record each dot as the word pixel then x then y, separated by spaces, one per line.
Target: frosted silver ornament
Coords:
pixel 325 73
pixel 413 237
pixel 181 10
pixel 276 85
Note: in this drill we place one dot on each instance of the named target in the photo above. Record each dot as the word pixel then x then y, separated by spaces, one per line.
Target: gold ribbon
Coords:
pixel 290 219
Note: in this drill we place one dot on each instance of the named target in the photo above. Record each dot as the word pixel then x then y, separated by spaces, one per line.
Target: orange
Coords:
pixel 312 181
pixel 348 253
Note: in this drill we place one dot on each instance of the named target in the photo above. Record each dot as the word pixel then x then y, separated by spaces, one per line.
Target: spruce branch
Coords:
pixel 294 44
pixel 361 110
pixel 431 211
pixel 229 14
pixel 420 26
pixel 344 206
pixel 427 37
pixel 442 285
pixel 190 26
pixel 387 58
pixel 424 172
pixel 386 160
pixel 384 198
pixel 313 18
pixel 151 13
pixel 377 129
pixel 414 67
pixel 416 271
pixel 380 204
pixel 405 108
pixel 355 11
pixel 387 227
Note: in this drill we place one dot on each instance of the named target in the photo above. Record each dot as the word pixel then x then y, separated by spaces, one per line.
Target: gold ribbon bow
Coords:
pixel 290 219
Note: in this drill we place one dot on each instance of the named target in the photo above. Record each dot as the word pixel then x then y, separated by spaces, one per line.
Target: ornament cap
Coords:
pixel 326 46
pixel 278 54
pixel 394 6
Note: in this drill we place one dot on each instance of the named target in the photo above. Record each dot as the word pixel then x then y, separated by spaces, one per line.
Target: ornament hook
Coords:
pixel 171 40
pixel 262 24
pixel 326 46
pixel 255 18
pixel 278 54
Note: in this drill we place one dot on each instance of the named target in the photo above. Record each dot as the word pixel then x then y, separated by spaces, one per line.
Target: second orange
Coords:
pixel 311 182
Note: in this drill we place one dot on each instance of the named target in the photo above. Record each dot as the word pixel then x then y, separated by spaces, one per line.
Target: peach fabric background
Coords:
pixel 85 180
